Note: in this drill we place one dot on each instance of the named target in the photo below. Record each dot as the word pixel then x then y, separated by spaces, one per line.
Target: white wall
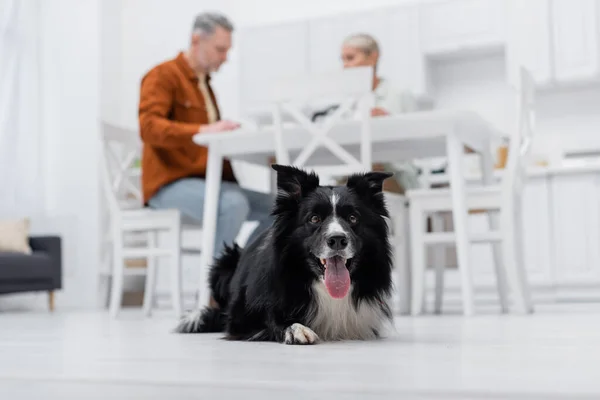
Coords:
pixel 69 74
pixel 152 31
pixel 111 60
pixel 20 149
pixel 264 12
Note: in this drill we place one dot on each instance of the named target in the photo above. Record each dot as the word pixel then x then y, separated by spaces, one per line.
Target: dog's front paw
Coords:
pixel 299 334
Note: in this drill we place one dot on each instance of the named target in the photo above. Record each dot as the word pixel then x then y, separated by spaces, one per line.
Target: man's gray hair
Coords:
pixel 206 23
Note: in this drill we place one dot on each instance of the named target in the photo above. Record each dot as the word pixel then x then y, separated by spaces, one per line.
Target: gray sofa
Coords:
pixel 39 271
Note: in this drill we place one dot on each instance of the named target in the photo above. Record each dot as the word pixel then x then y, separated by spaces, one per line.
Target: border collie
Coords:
pixel 322 272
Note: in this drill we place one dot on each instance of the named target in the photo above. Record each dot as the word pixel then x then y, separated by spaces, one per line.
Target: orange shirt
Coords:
pixel 171 111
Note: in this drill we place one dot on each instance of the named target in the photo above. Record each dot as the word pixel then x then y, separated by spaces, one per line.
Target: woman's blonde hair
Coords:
pixel 362 41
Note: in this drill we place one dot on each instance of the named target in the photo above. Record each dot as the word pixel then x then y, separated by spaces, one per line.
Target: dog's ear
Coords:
pixel 369 187
pixel 294 182
pixel 370 183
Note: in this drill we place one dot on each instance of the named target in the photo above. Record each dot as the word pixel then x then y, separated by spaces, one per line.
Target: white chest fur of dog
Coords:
pixel 339 319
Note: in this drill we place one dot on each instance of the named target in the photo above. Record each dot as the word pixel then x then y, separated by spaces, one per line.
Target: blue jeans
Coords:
pixel 236 205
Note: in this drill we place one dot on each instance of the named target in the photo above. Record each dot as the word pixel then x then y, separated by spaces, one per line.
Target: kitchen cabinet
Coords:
pixel 407 58
pixel 528 40
pixel 537 231
pixel 456 25
pixel 575 39
pixel 576 227
pixel 556 39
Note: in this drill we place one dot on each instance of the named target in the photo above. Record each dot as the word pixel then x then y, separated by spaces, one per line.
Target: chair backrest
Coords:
pixel 352 89
pixel 520 144
pixel 120 179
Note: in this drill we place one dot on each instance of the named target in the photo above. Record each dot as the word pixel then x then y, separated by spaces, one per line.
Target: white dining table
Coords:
pixel 395 138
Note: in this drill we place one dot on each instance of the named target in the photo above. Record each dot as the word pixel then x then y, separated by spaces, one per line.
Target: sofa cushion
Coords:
pixel 14 235
pixel 17 266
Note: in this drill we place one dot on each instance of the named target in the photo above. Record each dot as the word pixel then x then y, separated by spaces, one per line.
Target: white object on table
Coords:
pixel 394 139
pixel 506 197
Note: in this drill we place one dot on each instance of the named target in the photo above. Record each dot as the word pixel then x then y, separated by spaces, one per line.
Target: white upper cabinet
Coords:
pixel 575 39
pixel 556 39
pixel 528 39
pixel 406 58
pixel 449 26
pixel 268 53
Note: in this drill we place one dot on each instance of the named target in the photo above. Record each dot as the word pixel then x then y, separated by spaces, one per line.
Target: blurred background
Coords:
pixel 66 65
pixel 69 66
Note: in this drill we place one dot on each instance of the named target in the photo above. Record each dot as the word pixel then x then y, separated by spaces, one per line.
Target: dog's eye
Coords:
pixel 315 219
pixel 353 219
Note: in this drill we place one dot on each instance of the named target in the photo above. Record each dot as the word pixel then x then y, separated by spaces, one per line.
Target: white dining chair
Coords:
pixel 506 239
pixel 133 230
pixel 351 89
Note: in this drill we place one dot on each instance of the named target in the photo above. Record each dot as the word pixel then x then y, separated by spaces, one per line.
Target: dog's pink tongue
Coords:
pixel 337 277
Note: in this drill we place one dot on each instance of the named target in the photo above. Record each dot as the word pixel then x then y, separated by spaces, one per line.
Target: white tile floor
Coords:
pixel 554 353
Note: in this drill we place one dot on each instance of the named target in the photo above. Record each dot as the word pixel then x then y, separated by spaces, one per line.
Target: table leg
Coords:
pixel 214 170
pixel 460 215
pixel 487 170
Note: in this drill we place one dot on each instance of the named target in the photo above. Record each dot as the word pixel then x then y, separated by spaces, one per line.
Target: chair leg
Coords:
pixel 513 255
pixel 151 272
pixel 460 220
pixel 51 301
pixel 118 270
pixel 418 259
pixel 522 273
pixel 402 258
pixel 499 265
pixel 176 270
pixel 439 262
pixel 104 291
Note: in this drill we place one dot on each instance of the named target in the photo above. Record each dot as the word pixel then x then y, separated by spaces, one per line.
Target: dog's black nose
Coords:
pixel 337 242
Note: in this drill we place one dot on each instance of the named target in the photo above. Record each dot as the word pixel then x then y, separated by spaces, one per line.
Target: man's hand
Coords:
pixel 220 126
pixel 378 112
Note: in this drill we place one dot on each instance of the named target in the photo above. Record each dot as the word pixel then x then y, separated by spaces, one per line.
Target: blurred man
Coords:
pixel 176 103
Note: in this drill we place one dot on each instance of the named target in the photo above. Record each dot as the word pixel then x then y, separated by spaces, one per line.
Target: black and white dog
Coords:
pixel 321 272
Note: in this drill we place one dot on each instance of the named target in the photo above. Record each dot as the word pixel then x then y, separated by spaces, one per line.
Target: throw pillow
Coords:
pixel 14 236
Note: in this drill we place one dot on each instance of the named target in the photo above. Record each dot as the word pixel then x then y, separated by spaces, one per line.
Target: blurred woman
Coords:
pixel 362 50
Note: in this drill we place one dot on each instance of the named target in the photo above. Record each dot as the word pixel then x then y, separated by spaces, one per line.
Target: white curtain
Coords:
pixel 21 185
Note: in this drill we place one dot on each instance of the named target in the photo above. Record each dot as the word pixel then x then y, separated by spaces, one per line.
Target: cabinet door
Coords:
pixel 450 26
pixel 528 39
pixel 575 39
pixel 576 228
pixel 536 232
pixel 407 60
pixel 268 53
